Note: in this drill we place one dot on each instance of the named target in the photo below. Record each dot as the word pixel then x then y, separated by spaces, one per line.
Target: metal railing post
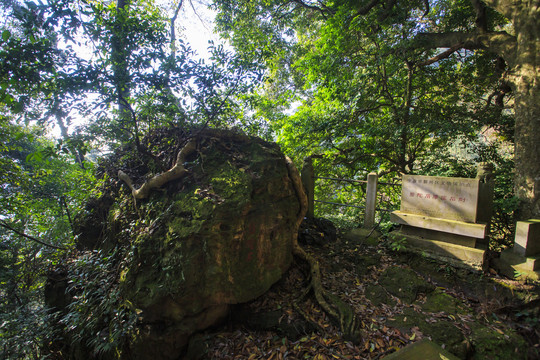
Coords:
pixel 371 200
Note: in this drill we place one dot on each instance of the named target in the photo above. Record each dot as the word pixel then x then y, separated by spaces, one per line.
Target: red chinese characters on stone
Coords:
pixel 436 197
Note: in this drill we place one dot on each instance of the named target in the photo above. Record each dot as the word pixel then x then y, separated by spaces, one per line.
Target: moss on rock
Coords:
pixel 220 235
pixel 496 344
pixel 439 301
pixel 377 295
pixel 442 332
pixel 404 283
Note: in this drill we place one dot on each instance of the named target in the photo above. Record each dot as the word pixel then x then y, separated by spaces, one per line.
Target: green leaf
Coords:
pixel 6 34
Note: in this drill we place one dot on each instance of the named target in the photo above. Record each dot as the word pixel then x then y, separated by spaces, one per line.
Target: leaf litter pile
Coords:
pixel 279 326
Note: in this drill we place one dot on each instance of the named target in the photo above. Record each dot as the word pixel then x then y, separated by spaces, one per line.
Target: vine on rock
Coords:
pixel 342 313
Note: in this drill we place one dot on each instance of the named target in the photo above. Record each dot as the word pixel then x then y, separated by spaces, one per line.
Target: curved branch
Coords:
pixel 499 42
pixel 177 171
pixel 426 5
pixel 442 55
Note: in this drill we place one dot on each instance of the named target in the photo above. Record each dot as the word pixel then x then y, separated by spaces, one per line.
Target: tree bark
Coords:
pixel 522 54
pixel 120 57
pixel 524 80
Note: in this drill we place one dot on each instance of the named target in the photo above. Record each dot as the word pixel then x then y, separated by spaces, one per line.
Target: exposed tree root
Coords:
pixel 176 172
pixel 342 313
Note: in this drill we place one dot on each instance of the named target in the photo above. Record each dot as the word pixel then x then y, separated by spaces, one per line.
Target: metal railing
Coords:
pixel 308 180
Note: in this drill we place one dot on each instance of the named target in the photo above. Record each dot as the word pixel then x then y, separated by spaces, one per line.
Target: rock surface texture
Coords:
pixel 221 234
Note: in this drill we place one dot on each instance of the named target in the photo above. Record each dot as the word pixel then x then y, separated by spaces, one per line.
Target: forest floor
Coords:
pixel 398 297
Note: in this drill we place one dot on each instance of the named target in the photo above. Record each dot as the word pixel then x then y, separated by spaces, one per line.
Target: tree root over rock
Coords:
pixel 338 310
pixel 176 172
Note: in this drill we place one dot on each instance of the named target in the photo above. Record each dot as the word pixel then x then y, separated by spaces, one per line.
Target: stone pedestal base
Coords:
pixel 424 349
pixel 363 236
pixel 516 266
pixel 457 255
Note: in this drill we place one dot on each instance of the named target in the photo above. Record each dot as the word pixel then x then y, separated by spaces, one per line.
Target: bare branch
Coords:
pixel 173 27
pixel 426 4
pixel 65 205
pixel 197 14
pixel 172 56
pixel 4 225
pixel 177 171
pixel 441 56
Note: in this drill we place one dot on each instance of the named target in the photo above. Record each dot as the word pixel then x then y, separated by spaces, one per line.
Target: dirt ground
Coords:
pixel 399 298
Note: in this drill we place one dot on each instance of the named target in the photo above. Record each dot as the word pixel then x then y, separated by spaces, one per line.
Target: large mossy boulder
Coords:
pixel 222 234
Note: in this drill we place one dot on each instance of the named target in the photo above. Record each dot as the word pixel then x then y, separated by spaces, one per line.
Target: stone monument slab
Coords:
pixel 445 218
pixel 441 197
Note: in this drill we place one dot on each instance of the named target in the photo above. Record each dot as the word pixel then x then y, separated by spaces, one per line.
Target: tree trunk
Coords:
pixel 521 53
pixel 120 57
pixel 525 70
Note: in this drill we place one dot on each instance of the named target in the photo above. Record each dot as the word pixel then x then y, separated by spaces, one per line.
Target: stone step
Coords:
pixel 457 255
pixel 449 226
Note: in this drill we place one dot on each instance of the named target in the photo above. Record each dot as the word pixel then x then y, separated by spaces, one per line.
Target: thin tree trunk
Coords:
pixel 120 58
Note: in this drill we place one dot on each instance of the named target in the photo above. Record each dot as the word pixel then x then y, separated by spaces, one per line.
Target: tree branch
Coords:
pixel 173 28
pixel 498 42
pixel 426 4
pixel 388 6
pixel 366 9
pixel 197 14
pixel 505 7
pixel 64 204
pixel 4 225
pixel 323 10
pixel 441 56
pixel 481 20
pixel 177 171
pixel 140 147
